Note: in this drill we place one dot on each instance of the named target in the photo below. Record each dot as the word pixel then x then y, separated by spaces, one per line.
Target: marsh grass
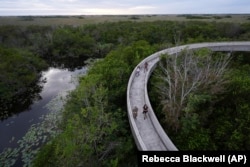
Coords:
pixel 94 19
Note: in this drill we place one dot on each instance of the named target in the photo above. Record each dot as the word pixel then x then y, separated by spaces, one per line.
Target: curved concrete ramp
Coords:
pixel 148 133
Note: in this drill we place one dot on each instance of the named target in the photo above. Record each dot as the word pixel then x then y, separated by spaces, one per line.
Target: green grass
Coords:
pixel 92 19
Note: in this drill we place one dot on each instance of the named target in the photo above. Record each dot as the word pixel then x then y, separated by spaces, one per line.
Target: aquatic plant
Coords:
pixel 37 135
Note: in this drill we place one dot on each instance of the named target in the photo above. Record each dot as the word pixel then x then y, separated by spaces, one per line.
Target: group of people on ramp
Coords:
pixel 138 69
pixel 144 111
pixel 145 107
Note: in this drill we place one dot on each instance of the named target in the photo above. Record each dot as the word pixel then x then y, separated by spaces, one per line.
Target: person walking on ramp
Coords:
pixel 135 111
pixel 145 110
pixel 146 67
pixel 137 72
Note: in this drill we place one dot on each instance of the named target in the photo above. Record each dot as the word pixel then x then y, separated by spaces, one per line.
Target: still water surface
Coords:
pixel 58 81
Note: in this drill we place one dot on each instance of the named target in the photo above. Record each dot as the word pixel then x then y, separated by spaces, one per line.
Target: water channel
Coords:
pixel 58 82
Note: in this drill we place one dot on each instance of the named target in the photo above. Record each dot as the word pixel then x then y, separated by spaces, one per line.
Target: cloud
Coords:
pixel 78 7
pixel 203 6
pixel 65 0
pixel 142 7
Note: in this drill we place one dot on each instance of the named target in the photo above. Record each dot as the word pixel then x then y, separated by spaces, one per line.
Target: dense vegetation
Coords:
pixel 181 75
pixel 213 113
pixel 95 129
pixel 19 70
pixel 95 122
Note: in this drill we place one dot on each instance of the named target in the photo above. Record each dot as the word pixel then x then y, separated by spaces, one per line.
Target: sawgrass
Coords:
pixel 93 19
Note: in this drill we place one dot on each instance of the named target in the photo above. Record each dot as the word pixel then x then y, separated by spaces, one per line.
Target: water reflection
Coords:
pixel 21 102
pixel 57 81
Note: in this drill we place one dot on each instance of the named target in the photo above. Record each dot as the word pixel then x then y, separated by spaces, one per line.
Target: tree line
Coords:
pixel 96 40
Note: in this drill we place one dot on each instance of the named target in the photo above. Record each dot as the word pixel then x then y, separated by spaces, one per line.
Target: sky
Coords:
pixel 122 7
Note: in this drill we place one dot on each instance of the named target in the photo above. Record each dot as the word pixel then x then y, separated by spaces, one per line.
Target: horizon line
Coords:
pixel 125 14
